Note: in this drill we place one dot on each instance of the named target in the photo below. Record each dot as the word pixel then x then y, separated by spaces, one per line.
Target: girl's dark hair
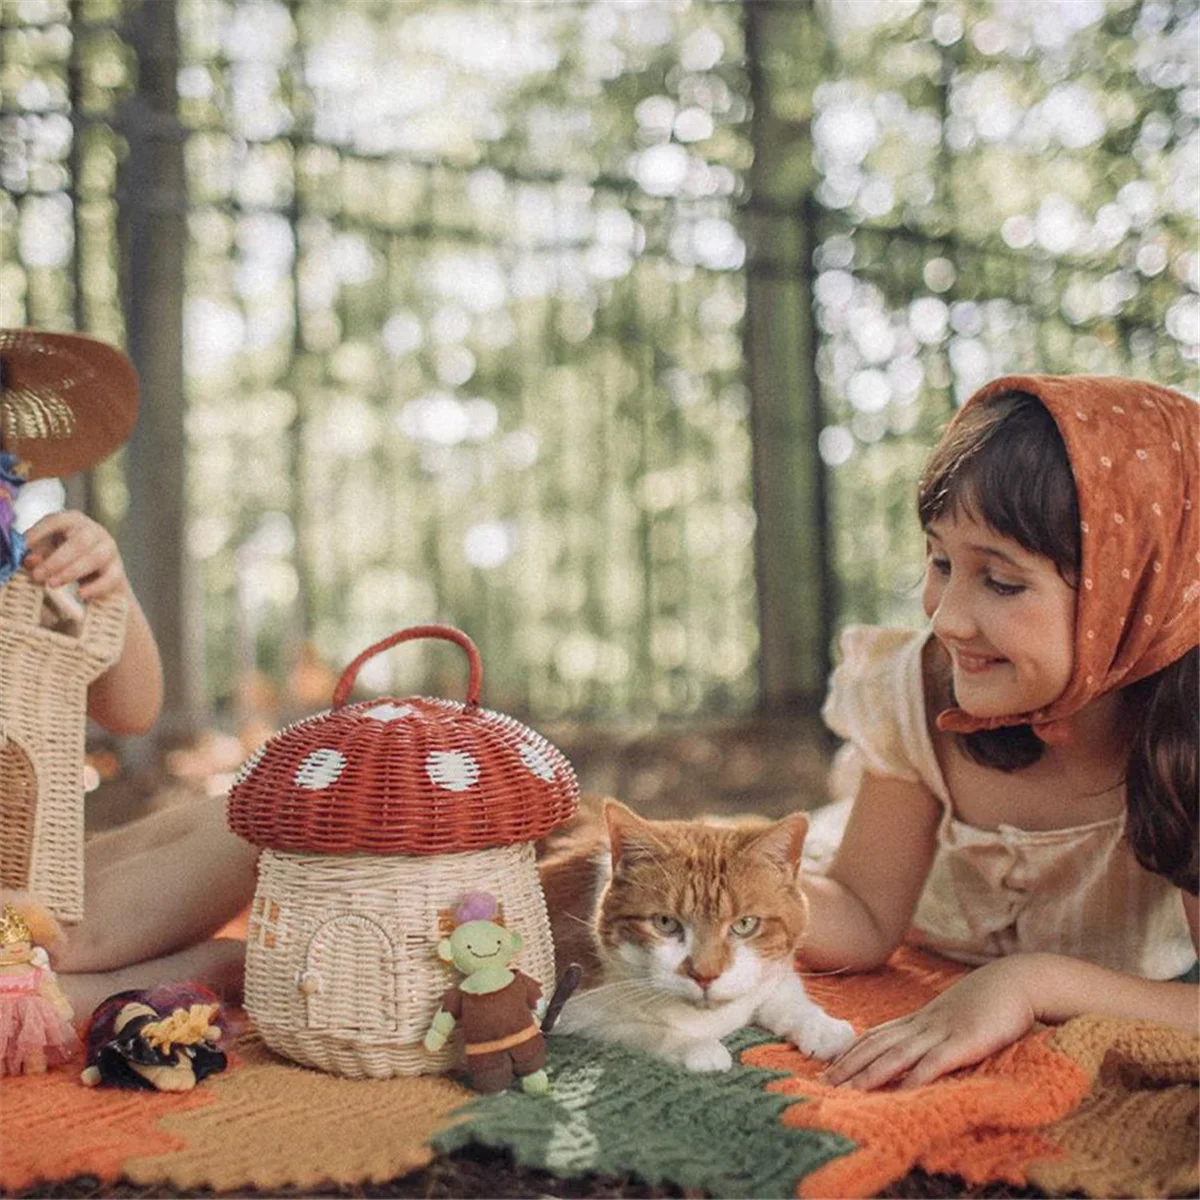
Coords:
pixel 1004 463
pixel 1161 783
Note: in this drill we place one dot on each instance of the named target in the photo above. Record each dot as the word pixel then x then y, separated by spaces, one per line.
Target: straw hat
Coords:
pixel 66 400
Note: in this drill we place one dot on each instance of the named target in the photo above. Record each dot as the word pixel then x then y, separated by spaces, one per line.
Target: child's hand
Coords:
pixel 69 547
pixel 980 1014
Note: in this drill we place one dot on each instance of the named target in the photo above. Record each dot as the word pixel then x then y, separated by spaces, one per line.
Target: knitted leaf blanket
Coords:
pixel 1096 1107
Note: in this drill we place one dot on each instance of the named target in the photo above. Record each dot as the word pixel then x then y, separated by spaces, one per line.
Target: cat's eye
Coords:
pixel 745 926
pixel 665 924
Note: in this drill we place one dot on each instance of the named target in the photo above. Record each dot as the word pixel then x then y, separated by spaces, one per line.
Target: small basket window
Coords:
pixel 265 928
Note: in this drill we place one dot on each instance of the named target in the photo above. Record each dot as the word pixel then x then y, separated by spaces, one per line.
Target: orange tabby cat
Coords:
pixel 686 932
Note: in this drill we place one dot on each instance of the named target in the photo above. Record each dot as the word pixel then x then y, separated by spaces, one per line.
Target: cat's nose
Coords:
pixel 705 981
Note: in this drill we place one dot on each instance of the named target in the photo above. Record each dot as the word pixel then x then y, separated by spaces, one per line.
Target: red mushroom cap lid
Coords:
pixel 411 776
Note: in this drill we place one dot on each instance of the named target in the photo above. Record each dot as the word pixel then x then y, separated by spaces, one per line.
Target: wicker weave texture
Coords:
pixel 342 971
pixel 44 675
pixel 18 788
pixel 411 776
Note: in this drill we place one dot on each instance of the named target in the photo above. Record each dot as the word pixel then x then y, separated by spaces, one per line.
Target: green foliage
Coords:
pixel 1009 188
pixel 466 289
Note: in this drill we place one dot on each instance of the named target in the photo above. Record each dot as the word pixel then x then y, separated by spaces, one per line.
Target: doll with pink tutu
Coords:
pixel 35 1017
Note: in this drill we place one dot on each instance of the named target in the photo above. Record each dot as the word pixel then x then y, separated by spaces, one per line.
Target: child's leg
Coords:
pixel 158 886
pixel 217 964
pixel 158 828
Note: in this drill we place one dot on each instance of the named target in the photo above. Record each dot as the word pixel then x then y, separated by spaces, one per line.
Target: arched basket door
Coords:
pixel 351 966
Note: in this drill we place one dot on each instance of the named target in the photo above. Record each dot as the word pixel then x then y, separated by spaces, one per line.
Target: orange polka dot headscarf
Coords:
pixel 1134 449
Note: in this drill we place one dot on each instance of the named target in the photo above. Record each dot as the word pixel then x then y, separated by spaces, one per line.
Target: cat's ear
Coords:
pixel 629 836
pixel 783 842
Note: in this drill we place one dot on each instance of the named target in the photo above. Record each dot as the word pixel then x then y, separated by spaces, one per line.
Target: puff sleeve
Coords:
pixel 875 703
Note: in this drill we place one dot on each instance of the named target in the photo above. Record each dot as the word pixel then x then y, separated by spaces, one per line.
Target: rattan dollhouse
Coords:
pixel 45 668
pixel 66 402
pixel 376 819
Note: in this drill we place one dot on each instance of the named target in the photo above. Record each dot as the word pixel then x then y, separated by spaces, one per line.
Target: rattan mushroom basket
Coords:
pixel 375 819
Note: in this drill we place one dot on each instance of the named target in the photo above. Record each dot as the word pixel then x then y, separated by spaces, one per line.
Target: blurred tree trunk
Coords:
pixel 785 52
pixel 153 229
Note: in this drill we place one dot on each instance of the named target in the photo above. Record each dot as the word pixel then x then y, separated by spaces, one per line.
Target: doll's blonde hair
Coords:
pixel 44 930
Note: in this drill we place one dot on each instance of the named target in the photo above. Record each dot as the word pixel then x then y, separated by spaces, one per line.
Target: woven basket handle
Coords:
pixel 344 685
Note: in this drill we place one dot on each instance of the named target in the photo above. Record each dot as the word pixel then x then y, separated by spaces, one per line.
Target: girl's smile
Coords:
pixel 973 664
pixel 1004 615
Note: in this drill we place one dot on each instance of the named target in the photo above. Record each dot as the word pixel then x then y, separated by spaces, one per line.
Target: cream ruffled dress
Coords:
pixel 1076 891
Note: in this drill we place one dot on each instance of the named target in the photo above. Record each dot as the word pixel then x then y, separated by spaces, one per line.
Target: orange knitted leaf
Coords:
pixel 1021 1088
pixel 82 1131
pixel 276 1125
pixel 910 979
pixel 979 1123
pixel 991 1155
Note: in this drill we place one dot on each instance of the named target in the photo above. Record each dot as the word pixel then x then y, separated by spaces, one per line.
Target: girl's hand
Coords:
pixel 984 1012
pixel 69 547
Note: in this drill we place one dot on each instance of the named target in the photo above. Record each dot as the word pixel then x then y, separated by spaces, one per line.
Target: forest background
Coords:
pixel 612 331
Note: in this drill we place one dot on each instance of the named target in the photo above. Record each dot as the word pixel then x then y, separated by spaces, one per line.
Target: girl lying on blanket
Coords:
pixel 1024 773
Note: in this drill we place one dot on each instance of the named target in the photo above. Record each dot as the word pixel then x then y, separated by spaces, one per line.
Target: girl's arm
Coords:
pixel 860 910
pixel 998 1003
pixel 127 698
pixel 69 547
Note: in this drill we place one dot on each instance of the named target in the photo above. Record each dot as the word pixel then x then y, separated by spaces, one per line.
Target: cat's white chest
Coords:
pixel 627 1012
pixel 691 1035
pixel 718 1021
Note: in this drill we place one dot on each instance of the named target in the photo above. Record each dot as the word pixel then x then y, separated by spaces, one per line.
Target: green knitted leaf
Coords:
pixel 616 1111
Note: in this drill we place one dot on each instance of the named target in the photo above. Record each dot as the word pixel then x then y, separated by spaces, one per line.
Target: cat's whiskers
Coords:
pixel 622 990
pixel 636 990
pixel 584 921
pixel 626 987
pixel 637 999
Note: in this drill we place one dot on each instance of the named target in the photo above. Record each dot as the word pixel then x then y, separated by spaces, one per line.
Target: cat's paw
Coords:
pixel 707 1056
pixel 821 1036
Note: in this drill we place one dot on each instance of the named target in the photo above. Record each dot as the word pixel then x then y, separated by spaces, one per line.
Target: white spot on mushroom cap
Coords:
pixel 454 770
pixel 538 761
pixel 390 712
pixel 320 769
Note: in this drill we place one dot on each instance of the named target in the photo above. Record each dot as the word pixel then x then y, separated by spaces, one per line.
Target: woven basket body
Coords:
pixel 342 971
pixel 377 819
pixel 44 676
